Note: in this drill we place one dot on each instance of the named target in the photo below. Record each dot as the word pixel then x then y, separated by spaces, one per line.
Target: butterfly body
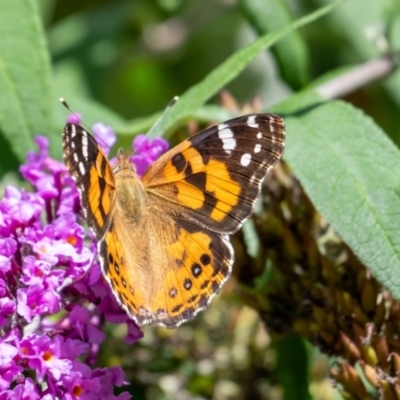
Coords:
pixel 129 199
pixel 163 239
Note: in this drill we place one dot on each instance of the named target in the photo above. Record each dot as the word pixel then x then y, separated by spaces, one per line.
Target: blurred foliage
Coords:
pixel 303 276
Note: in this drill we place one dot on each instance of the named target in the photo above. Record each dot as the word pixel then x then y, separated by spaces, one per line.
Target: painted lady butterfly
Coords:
pixel 163 239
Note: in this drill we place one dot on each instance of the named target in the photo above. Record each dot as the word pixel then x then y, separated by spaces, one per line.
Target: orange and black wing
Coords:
pixel 215 177
pixel 93 175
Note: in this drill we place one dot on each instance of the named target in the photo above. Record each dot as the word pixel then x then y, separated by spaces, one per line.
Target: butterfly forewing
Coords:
pixel 215 177
pixel 93 176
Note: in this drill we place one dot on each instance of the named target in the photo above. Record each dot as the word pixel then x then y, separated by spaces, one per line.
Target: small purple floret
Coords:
pixel 147 151
pixel 105 136
pixel 74 118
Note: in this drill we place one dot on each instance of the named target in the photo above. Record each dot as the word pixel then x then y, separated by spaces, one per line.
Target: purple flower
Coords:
pixel 46 175
pixel 110 377
pixel 26 391
pixel 34 271
pixel 147 151
pixel 112 311
pixel 80 319
pixel 105 136
pixel 7 310
pixel 18 210
pixel 81 388
pixel 47 357
pixel 66 228
pixel 36 300
pixel 9 370
pixel 38 165
pixel 3 289
pixel 81 385
pixel 74 118
pixel 7 354
pixel 134 333
pixel 8 247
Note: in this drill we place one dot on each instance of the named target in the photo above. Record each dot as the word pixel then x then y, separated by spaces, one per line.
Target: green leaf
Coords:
pixel 70 84
pixel 25 76
pixel 366 29
pixel 360 25
pixel 392 83
pixel 206 113
pixel 198 94
pixel 292 367
pixel 351 171
pixel 292 50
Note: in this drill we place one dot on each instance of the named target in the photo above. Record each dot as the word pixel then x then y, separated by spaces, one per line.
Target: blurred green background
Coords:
pixel 134 56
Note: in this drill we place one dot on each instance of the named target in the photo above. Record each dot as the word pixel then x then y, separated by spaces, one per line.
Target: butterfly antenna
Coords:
pixel 65 104
pixel 169 105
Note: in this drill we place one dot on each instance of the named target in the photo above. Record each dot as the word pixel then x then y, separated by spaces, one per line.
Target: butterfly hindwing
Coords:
pixel 165 270
pixel 215 177
pixel 92 173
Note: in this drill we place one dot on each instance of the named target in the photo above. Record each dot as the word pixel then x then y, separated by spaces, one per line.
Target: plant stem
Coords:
pixel 357 77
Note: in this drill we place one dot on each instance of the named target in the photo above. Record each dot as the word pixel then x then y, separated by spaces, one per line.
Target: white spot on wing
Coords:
pixel 73 131
pixel 76 158
pixel 251 121
pixel 82 168
pixel 259 135
pixel 257 148
pixel 226 135
pixel 85 145
pixel 245 160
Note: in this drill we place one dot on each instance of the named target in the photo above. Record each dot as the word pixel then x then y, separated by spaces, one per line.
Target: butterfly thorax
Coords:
pixel 130 199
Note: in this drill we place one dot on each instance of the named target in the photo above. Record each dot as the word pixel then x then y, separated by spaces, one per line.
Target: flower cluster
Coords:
pixel 54 300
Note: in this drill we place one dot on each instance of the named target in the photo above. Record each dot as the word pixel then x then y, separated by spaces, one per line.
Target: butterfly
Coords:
pixel 163 239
